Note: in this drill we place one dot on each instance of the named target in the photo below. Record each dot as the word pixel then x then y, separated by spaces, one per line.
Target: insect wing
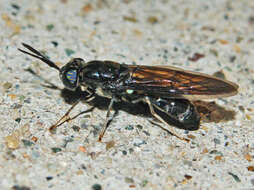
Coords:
pixel 175 82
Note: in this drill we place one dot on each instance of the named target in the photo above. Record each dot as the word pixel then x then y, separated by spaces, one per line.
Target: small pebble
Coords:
pixel 56 149
pixel 96 187
pixel 12 141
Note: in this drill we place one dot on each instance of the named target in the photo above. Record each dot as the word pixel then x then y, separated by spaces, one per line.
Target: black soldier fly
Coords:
pixel 168 91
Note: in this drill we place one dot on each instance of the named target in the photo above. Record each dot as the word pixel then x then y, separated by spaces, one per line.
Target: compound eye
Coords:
pixel 71 75
pixel 69 78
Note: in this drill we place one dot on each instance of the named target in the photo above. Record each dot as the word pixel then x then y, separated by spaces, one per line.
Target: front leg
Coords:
pixel 67 118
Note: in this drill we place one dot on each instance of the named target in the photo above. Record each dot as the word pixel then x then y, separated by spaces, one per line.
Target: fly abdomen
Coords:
pixel 178 112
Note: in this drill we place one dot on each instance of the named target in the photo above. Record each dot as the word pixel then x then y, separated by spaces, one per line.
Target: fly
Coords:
pixel 168 91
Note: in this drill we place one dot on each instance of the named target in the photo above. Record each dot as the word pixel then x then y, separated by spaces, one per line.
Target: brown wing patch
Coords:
pixel 175 82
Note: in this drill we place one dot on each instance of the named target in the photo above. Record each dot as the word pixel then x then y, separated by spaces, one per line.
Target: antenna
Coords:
pixel 38 55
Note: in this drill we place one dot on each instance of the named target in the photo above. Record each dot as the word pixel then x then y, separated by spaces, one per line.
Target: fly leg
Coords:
pixel 67 118
pixel 105 126
pixel 63 119
pixel 172 132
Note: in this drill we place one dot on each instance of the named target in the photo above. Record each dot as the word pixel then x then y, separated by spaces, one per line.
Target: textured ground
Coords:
pixel 206 36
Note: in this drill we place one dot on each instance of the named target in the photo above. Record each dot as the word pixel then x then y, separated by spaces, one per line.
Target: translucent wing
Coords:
pixel 175 82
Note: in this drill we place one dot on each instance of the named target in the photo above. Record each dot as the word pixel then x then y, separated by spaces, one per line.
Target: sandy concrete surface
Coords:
pixel 212 36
